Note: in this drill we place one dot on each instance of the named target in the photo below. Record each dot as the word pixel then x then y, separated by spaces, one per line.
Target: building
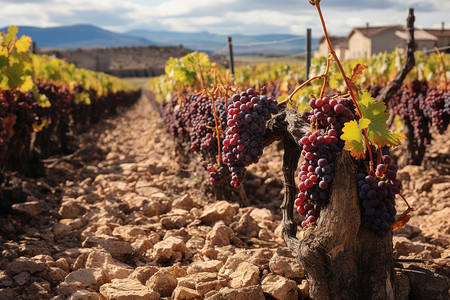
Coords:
pixel 364 42
pixel 443 36
pixel 340 46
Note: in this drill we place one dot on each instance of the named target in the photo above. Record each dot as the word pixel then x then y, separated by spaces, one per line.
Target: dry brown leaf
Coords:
pixel 403 219
pixel 357 71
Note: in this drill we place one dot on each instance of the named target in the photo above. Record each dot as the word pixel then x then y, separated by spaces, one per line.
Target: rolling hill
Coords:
pixel 89 36
pixel 242 44
pixel 79 36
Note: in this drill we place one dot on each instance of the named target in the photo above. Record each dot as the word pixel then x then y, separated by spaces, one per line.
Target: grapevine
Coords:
pixel 243 142
pixel 345 171
pixel 357 124
pixel 48 97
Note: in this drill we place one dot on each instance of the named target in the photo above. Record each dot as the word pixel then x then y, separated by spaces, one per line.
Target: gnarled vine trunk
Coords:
pixel 343 259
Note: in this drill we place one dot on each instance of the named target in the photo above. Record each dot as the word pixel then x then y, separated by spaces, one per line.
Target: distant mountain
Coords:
pixel 242 44
pixel 89 36
pixel 79 36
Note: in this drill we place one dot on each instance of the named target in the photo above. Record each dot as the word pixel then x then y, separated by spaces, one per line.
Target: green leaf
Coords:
pixel 378 131
pixel 11 35
pixel 354 138
pixel 3 61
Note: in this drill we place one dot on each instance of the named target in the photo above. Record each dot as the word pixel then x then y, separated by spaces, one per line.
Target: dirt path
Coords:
pixel 122 219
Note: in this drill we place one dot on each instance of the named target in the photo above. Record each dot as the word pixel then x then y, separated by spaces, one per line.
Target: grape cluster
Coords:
pixel 377 196
pixel 422 107
pixel 243 142
pixel 192 120
pixel 316 173
pixel 217 175
pixel 436 107
pixel 176 118
pixel 201 117
pixel 408 108
pixel 320 149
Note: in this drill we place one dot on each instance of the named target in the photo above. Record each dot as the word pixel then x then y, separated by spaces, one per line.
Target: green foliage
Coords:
pixel 58 71
pixel 16 72
pixel 373 119
pixel 262 74
pixel 19 69
pixel 193 71
pixel 383 67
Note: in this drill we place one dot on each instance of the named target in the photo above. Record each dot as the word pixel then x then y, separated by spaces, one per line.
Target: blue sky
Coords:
pixel 222 16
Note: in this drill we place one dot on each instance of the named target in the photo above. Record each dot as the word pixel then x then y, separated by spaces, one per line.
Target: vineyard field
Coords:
pixel 132 200
pixel 202 184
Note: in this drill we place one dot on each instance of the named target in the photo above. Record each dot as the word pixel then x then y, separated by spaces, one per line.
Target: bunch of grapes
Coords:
pixel 203 136
pixel 7 105
pixel 320 149
pixel 436 107
pixel 176 118
pixel 377 196
pixel 422 107
pixel 408 108
pixel 243 142
pixel 192 120
pixel 217 174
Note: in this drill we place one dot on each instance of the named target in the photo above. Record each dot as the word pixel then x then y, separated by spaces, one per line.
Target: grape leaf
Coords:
pixel 357 71
pixel 10 36
pixel 23 44
pixel 403 219
pixel 27 83
pixel 3 61
pixel 378 131
pixel 354 138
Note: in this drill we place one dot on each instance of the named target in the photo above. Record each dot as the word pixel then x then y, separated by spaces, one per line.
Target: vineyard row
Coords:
pixel 44 100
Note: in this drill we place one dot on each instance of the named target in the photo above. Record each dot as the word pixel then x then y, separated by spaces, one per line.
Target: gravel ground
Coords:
pixel 124 218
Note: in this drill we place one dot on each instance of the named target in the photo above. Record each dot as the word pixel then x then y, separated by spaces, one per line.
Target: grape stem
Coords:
pixel 216 120
pixel 300 87
pixel 199 74
pixel 407 204
pixel 325 77
pixel 12 47
pixel 443 66
pixel 347 82
pixel 336 59
pixel 379 156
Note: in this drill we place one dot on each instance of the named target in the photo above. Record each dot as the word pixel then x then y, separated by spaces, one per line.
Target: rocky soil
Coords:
pixel 125 218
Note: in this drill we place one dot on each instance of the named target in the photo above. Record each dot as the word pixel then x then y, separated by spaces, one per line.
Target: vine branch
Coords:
pixel 396 83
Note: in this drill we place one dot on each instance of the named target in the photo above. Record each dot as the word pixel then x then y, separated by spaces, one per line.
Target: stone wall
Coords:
pixel 122 61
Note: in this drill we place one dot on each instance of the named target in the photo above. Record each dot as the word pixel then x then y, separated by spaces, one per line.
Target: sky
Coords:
pixel 223 16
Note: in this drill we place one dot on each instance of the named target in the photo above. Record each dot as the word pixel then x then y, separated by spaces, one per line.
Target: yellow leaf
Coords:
pixel 23 44
pixel 27 83
pixel 354 138
pixel 10 36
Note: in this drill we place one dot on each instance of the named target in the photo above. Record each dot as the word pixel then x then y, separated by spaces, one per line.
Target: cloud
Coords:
pixel 221 16
pixel 102 18
pixel 25 1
